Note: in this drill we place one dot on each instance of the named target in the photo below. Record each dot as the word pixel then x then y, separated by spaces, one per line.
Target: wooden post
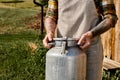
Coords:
pixel 108 40
pixel 108 43
pixel 117 33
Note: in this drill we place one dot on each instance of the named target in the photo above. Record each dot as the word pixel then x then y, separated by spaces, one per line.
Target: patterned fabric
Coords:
pixel 105 8
pixel 52 9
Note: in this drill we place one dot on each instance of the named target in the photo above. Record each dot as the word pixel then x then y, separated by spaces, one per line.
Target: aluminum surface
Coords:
pixel 68 66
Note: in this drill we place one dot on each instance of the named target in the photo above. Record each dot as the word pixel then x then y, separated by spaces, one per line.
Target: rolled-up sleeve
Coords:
pixel 52 9
pixel 109 11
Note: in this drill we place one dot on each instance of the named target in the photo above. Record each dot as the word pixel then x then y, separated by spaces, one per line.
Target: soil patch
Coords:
pixel 35 22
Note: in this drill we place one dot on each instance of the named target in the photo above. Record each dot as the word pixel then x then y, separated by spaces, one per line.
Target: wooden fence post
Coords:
pixel 117 33
pixel 108 41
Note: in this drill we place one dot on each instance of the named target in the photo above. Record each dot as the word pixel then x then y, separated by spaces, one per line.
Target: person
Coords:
pixel 84 20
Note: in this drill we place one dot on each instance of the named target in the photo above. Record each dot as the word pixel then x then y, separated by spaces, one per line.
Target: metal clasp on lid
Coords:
pixel 64 46
pixel 63 43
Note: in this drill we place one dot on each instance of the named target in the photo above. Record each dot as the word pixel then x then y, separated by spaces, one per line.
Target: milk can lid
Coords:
pixel 69 41
pixel 64 39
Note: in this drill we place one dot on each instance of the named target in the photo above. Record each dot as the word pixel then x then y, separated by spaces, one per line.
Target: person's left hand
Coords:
pixel 85 40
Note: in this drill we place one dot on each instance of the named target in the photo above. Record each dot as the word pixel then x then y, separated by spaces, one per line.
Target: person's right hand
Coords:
pixel 49 36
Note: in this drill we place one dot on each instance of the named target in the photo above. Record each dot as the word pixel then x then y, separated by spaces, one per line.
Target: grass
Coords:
pixel 13 20
pixel 26 4
pixel 22 55
pixel 19 62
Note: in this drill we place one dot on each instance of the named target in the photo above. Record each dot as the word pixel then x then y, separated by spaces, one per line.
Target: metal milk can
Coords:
pixel 65 61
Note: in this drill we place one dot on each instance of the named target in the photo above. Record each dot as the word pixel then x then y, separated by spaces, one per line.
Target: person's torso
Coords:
pixel 76 17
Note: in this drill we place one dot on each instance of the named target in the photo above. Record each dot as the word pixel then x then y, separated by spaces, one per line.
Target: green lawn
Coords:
pixel 26 4
pixel 22 55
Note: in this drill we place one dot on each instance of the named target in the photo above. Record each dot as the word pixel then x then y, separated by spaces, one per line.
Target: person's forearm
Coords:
pixel 50 25
pixel 103 26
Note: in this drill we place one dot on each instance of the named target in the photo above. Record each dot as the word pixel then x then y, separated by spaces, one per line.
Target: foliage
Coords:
pixel 113 74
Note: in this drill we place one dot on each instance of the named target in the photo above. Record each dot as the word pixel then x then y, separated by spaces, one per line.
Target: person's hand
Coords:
pixel 85 40
pixel 49 36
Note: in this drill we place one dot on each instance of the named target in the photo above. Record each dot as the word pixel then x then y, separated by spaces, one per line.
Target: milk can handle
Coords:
pixel 51 43
pixel 63 46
